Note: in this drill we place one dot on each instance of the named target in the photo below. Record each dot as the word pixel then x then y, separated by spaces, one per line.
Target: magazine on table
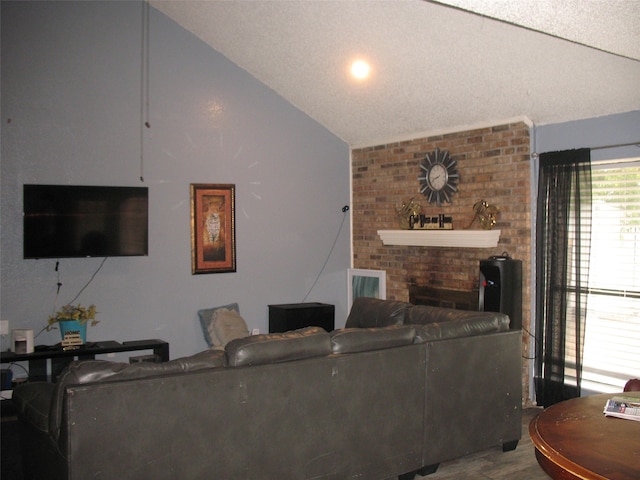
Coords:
pixel 623 407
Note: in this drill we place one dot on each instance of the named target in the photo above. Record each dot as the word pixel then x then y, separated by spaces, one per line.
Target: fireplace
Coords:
pixel 439 297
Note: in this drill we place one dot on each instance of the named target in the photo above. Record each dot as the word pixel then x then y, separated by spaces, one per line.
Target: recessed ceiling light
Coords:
pixel 360 69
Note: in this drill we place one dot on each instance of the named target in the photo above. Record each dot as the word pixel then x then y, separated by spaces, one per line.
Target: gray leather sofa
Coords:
pixel 398 391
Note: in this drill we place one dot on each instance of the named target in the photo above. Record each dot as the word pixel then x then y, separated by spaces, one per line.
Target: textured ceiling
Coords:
pixel 609 25
pixel 435 65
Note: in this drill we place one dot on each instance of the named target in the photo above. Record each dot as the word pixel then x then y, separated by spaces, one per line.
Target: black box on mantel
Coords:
pixel 292 316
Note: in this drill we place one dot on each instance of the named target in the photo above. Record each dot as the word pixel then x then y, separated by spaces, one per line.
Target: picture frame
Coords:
pixel 365 283
pixel 213 230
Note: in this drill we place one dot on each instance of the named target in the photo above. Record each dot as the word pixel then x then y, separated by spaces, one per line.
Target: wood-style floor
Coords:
pixel 494 464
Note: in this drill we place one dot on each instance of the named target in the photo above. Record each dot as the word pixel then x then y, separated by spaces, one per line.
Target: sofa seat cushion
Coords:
pixel 353 340
pixel 32 401
pixel 278 347
pixel 369 312
pixel 459 327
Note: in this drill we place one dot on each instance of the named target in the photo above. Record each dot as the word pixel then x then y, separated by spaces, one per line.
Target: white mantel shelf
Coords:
pixel 441 238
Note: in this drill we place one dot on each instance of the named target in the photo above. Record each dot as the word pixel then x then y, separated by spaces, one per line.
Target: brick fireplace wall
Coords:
pixel 494 166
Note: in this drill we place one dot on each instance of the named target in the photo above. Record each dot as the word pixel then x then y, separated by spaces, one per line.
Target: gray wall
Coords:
pixel 598 133
pixel 71 103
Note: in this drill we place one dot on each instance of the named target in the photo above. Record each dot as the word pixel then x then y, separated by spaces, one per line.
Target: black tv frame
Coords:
pixel 78 221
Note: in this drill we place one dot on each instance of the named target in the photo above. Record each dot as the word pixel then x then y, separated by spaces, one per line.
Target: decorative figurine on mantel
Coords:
pixel 424 222
pixel 406 211
pixel 486 215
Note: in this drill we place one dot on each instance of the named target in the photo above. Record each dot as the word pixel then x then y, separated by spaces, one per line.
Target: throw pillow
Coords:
pixel 222 324
pixel 206 319
pixel 227 325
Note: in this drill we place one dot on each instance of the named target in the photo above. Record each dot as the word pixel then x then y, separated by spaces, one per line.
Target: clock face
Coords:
pixel 439 179
pixel 437 176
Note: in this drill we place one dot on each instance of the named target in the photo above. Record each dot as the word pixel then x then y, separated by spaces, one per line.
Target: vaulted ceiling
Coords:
pixel 435 65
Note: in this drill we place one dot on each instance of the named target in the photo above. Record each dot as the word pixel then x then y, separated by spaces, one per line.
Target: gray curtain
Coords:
pixel 563 240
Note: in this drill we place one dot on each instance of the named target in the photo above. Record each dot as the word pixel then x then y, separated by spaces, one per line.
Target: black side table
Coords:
pixel 292 316
pixel 60 358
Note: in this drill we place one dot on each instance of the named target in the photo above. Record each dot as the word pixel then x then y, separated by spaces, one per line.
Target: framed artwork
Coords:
pixel 366 283
pixel 213 229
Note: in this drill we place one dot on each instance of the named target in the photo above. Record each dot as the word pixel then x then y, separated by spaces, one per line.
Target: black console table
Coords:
pixel 61 358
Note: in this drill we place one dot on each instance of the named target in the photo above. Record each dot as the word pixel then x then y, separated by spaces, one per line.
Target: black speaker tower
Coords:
pixel 501 288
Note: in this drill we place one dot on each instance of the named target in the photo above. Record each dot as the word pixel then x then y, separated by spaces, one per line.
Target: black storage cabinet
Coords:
pixel 501 288
pixel 292 316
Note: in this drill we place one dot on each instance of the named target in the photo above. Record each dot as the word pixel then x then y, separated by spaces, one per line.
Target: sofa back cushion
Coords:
pixel 425 314
pixel 352 340
pixel 369 312
pixel 464 326
pixel 278 347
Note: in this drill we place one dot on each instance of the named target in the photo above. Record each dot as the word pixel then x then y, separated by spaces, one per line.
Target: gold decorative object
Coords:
pixel 486 215
pixel 406 211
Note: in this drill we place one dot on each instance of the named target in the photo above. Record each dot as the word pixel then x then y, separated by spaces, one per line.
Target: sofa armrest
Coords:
pixel 475 384
pixel 89 371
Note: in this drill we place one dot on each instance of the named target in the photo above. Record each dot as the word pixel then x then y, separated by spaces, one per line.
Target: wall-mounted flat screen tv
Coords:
pixel 66 221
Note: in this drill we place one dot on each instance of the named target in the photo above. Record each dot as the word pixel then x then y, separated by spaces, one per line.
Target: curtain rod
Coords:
pixel 630 144
pixel 637 144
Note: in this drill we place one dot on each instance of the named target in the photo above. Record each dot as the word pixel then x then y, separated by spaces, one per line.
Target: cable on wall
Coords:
pixel 90 280
pixel 144 82
pixel 345 210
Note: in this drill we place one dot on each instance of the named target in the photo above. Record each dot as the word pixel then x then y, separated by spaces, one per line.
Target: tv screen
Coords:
pixel 65 221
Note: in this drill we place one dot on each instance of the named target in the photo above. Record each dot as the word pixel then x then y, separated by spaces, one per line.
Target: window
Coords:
pixel 612 333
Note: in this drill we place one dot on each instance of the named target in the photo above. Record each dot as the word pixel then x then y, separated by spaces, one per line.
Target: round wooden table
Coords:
pixel 574 440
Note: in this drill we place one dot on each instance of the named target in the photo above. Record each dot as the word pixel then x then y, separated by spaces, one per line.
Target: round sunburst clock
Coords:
pixel 439 179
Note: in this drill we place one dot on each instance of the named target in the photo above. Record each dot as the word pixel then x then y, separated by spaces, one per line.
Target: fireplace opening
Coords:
pixel 439 297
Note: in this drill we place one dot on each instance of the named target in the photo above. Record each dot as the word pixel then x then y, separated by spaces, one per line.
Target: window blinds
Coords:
pixel 612 333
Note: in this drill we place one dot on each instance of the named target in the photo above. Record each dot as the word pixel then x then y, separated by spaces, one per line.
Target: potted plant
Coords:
pixel 73 318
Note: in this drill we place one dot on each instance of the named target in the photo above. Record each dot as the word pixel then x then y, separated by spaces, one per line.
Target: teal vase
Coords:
pixel 73 326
